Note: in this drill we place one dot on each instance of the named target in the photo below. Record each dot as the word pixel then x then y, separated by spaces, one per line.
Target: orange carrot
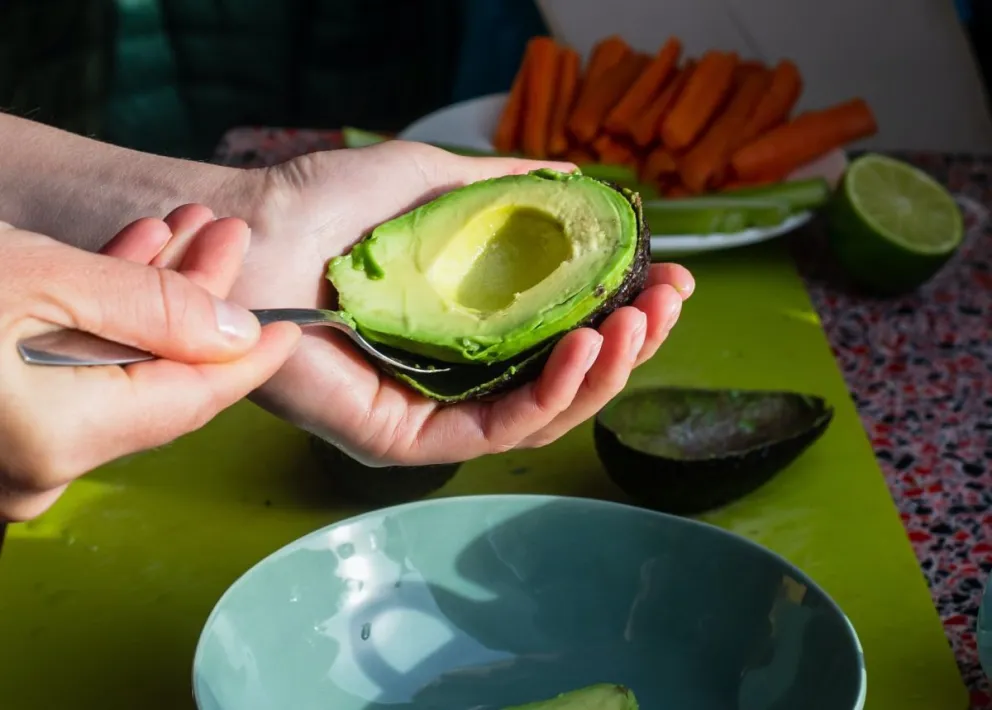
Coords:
pixel 804 139
pixel 749 65
pixel 775 105
pixel 539 96
pixel 720 177
pixel 507 135
pixel 711 153
pixel 613 152
pixel 602 95
pixel 645 127
pixel 703 94
pixel 659 165
pixel 644 89
pixel 605 54
pixel 568 84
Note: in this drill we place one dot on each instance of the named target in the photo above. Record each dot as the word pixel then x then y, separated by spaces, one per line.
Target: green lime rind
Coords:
pixel 904 204
pixel 892 227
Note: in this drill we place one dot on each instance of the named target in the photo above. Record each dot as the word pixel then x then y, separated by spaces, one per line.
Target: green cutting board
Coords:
pixel 102 599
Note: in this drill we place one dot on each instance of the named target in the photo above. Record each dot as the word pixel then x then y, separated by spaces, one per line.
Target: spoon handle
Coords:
pixel 76 348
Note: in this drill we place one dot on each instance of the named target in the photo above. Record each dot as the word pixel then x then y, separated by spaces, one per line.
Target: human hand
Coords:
pixel 58 423
pixel 315 207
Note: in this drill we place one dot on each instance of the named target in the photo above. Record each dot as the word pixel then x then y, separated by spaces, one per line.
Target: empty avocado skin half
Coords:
pixel 686 451
pixel 485 279
pixel 387 485
pixel 602 696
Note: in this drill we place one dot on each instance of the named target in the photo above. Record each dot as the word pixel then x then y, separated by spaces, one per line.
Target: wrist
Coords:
pixel 82 192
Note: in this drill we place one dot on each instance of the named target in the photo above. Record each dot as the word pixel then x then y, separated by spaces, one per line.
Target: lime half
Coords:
pixel 892 226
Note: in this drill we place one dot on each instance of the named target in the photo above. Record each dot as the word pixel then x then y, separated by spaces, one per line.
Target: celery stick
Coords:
pixel 800 195
pixel 712 215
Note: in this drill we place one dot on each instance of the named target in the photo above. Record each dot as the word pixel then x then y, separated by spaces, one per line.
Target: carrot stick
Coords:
pixel 645 127
pixel 749 65
pixel 775 105
pixel 702 96
pixel 605 54
pixel 613 152
pixel 659 164
pixel 568 84
pixel 602 95
pixel 720 177
pixel 644 89
pixel 539 97
pixel 507 135
pixel 803 139
pixel 711 153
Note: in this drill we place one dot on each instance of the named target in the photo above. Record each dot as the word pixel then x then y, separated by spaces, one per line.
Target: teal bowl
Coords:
pixel 485 602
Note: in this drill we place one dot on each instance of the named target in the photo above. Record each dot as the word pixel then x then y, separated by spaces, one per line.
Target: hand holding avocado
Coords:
pixel 314 209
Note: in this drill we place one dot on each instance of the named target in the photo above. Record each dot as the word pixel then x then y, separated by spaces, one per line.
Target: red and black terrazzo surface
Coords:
pixel 919 368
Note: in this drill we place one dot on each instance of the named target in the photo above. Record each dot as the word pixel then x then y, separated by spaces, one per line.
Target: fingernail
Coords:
pixel 686 289
pixel 247 245
pixel 594 353
pixel 673 315
pixel 637 337
pixel 234 321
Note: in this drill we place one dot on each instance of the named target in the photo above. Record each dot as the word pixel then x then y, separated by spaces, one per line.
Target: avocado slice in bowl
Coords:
pixel 487 277
pixel 601 696
pixel 689 450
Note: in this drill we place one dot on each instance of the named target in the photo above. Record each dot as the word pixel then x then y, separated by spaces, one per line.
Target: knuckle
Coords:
pixel 175 302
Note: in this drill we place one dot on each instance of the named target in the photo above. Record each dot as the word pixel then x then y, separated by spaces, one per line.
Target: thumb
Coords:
pixel 158 310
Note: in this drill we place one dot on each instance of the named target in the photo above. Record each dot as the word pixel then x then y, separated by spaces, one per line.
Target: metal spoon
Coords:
pixel 76 348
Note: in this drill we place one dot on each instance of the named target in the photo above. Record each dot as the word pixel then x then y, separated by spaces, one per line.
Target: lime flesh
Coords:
pixel 892 226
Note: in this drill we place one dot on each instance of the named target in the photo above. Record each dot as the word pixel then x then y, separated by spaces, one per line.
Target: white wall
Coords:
pixel 909 58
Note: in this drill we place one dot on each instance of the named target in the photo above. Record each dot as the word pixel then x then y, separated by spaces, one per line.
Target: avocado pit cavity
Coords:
pixel 498 255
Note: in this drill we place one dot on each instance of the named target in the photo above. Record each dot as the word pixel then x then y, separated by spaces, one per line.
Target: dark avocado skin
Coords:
pixel 467 382
pixel 691 487
pixel 388 485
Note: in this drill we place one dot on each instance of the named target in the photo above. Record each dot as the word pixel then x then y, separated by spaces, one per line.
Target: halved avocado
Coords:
pixel 387 485
pixel 486 278
pixel 602 696
pixel 687 451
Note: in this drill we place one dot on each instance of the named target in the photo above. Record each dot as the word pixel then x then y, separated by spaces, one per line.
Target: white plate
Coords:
pixel 469 124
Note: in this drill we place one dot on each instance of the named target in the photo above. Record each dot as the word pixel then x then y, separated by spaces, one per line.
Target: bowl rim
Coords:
pixel 538 498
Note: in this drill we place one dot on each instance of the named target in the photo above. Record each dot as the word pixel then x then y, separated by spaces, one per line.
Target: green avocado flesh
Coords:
pixel 603 696
pixel 693 424
pixel 491 270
